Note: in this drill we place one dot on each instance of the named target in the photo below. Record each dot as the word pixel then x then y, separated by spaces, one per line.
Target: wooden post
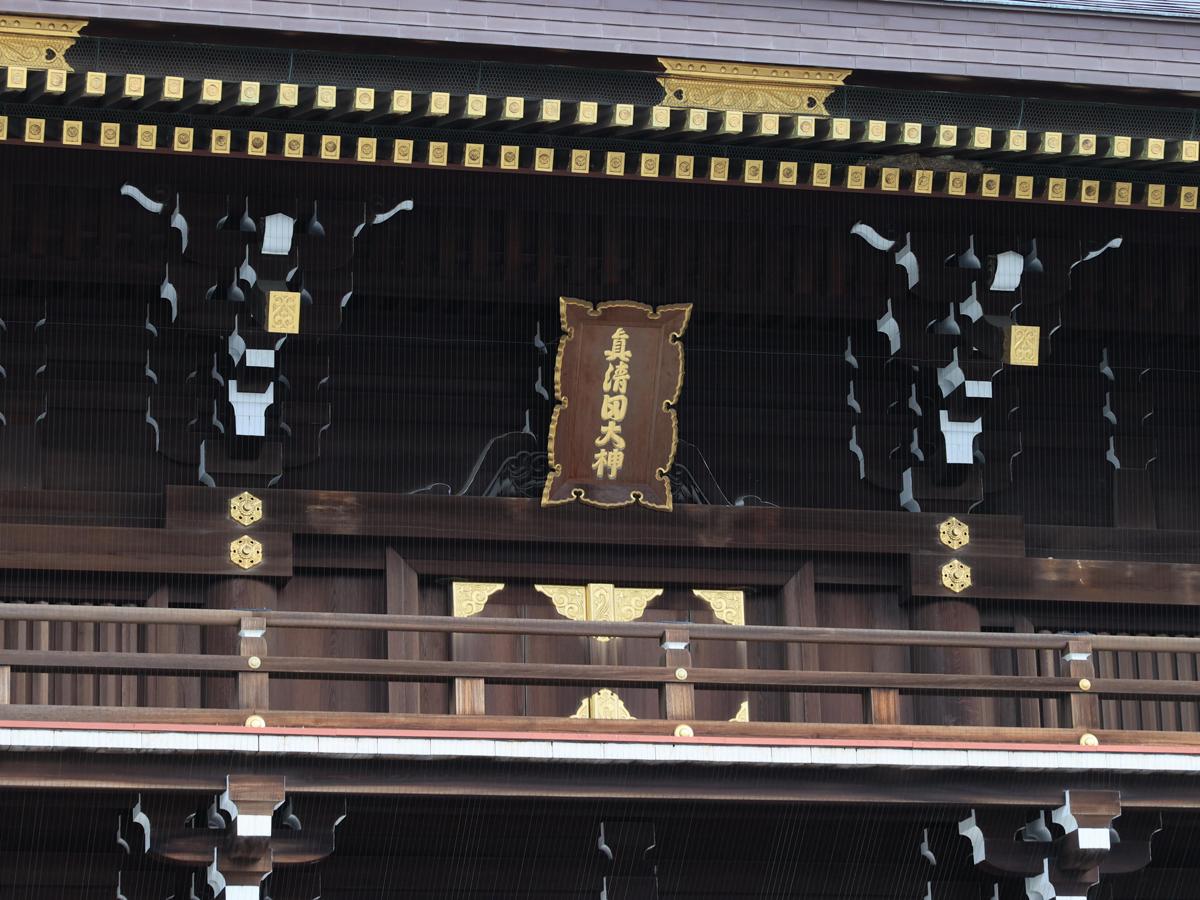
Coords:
pixel 883 706
pixel 1083 707
pixel 253 687
pixel 799 597
pixel 5 685
pixel 403 598
pixel 678 697
pixel 469 697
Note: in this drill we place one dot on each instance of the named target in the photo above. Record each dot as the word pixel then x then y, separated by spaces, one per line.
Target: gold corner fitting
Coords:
pixel 245 508
pixel 604 704
pixel 748 87
pixel 470 597
pixel 245 552
pixel 598 602
pixel 728 606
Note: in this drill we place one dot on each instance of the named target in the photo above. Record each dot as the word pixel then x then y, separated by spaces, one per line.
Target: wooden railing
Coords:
pixel 1075 687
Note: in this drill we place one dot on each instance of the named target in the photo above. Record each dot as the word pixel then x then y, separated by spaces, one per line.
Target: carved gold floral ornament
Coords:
pixel 748 87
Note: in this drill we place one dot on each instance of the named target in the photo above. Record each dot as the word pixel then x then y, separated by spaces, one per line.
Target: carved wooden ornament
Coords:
pixel 617 378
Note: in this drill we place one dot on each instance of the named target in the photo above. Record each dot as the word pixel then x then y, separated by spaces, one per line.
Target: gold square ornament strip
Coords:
pixel 587 112
pixel 35 131
pixel 1156 196
pixel 249 93
pixel 889 179
pixel 293 146
pixel 184 140
pixel 514 109
pixel 473 156
pixel 1017 140
pixel 648 165
pixel 614 163
pixel 1056 189
pixel 331 146
pixel 1089 191
pixel 256 143
pixel 956 184
pixel 685 167
pixel 172 89
pixel 326 98
pixel 110 134
pixel 16 78
pixel 439 153
pixel 822 175
pixel 856 177
pixel 402 151
pixel 3 128
pixel 1123 193
pixel 1187 197
pixel 364 99
pixel 367 149
pixel 220 140
pixel 581 161
pixel 211 90
pixel 789 174
pixel 56 81
pixel 718 169
pixel 752 171
pixel 1023 187
pixel 135 86
pixel 287 96
pixel 510 156
pixel 543 159
pixel 95 84
pixel 147 137
pixel 923 181
pixel 476 106
pixel 401 103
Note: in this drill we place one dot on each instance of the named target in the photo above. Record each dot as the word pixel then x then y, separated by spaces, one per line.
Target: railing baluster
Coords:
pixel 1083 708
pixel 469 697
pixel 252 685
pixel 883 706
pixel 5 685
pixel 678 697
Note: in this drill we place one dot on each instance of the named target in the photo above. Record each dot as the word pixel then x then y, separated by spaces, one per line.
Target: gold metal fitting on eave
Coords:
pixel 954 533
pixel 245 508
pixel 748 87
pixel 38 42
pixel 245 552
pixel 956 576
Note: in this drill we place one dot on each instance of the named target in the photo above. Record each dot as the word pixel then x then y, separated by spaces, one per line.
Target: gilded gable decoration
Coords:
pixel 748 87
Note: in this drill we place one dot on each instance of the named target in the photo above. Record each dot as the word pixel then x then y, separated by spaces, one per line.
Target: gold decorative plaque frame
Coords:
pixel 651 423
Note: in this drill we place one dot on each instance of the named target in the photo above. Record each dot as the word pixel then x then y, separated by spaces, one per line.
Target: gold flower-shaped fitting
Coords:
pixel 954 533
pixel 245 508
pixel 245 552
pixel 956 576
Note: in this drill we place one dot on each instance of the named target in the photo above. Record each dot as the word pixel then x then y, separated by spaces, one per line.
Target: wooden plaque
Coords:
pixel 617 378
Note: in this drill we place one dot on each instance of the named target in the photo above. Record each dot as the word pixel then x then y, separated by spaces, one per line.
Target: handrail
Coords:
pixel 46 612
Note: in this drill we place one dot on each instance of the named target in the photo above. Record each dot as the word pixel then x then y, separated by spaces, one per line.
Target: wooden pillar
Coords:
pixel 250 595
pixel 678 697
pixel 799 596
pixel 948 615
pixel 403 598
pixel 5 685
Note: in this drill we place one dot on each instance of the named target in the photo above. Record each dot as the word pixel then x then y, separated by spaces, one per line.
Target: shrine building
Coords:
pixel 642 450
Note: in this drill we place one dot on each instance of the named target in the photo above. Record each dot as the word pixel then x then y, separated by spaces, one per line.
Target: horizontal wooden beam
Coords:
pixel 1070 580
pixel 67 548
pixel 508 520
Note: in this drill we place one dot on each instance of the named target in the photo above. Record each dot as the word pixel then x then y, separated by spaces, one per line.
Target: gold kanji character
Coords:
pixel 620 351
pixel 610 460
pixel 613 407
pixel 610 433
pixel 616 378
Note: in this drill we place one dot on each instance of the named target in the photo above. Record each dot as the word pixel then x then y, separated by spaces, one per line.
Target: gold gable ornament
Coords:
pixel 748 87
pixel 38 42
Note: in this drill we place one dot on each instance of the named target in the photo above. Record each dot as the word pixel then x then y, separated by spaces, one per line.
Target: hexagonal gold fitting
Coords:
pixel 954 533
pixel 245 552
pixel 245 508
pixel 956 576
